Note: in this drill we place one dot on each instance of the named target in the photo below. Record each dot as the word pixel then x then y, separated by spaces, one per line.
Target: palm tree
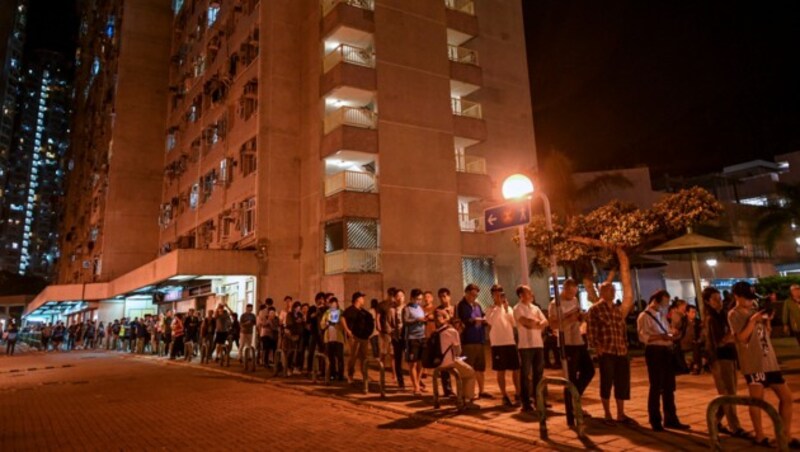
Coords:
pixel 776 219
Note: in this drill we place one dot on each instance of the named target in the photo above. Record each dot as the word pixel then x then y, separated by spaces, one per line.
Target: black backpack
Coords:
pixel 432 355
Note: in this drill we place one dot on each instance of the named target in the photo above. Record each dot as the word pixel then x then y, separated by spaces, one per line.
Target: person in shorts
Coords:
pixel 505 357
pixel 757 361
pixel 473 334
pixel 414 321
pixel 530 324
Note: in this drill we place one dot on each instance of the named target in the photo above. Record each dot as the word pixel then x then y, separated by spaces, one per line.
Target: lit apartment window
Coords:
pixel 226 171
pixel 172 141
pixel 194 196
pixel 248 217
pixel 213 12
pixel 209 180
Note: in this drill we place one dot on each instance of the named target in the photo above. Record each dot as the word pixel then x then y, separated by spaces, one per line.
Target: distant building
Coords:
pixel 237 149
pixel 13 18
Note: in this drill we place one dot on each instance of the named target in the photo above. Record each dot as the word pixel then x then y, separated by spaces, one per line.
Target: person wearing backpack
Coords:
pixel 443 351
pixel 358 327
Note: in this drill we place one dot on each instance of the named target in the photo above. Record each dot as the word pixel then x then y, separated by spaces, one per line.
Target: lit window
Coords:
pixel 213 12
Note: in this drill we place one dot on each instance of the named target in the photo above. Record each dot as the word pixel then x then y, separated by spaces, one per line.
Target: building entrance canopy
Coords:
pixel 166 274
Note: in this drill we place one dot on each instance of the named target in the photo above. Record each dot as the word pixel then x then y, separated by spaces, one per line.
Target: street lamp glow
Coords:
pixel 711 262
pixel 797 241
pixel 517 186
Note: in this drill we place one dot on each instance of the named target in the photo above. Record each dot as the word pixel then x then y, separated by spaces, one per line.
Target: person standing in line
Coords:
pixel 247 324
pixel 236 331
pixel 414 321
pixel 530 324
pixel 222 328
pixel 385 326
pixel 473 335
pixel 374 338
pixel 269 328
pixel 177 336
pixel 680 325
pixel 658 354
pixel 505 356
pixel 446 304
pixel 721 351
pixel 191 326
pixel 607 335
pixel 757 360
pixel 47 333
pixel 333 331
pixel 314 340
pixel 450 344
pixel 11 337
pixel 290 341
pixel 580 369
pixel 358 327
pixel 791 313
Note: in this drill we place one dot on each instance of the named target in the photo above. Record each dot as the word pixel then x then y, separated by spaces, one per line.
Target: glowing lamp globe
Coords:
pixel 517 186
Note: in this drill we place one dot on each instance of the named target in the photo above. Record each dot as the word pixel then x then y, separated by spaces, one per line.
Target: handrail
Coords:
pixel 348 54
pixel 328 5
pixel 464 6
pixel 460 399
pixel 284 363
pixel 315 368
pixel 249 358
pixel 351 116
pixel 464 55
pixel 350 181
pixel 381 369
pixel 541 390
pixel 468 108
pixel 720 401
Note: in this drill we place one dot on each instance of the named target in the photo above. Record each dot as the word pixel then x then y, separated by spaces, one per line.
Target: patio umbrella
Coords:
pixel 691 244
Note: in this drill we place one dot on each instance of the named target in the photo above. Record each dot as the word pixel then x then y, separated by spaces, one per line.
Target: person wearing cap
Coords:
pixel 791 312
pixel 757 359
pixel 721 352
pixel 580 369
pixel 607 333
pixel 530 323
pixel 654 333
pixel 505 357
pixel 358 327
pixel 473 334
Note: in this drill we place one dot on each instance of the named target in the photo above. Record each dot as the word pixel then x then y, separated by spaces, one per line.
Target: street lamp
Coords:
pixel 712 263
pixel 519 187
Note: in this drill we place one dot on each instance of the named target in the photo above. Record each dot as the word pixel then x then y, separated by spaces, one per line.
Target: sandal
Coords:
pixel 628 421
pixel 609 422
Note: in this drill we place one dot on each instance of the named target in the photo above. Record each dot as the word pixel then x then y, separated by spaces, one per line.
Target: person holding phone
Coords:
pixel 333 334
pixel 757 360
pixel 791 313
pixel 473 334
pixel 653 330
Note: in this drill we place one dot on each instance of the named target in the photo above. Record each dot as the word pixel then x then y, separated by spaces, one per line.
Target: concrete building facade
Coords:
pixel 337 145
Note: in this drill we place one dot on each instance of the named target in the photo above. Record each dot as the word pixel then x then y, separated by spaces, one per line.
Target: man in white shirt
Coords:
pixel 580 369
pixel 505 357
pixel 450 343
pixel 531 322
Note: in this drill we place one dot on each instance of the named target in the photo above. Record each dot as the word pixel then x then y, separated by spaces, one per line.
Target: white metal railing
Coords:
pixel 351 181
pixel 470 164
pixel 351 116
pixel 462 107
pixel 468 224
pixel 348 54
pixel 464 6
pixel 328 5
pixel 353 261
pixel 462 55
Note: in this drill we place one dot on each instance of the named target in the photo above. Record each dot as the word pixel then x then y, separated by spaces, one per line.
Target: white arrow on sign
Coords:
pixel 491 219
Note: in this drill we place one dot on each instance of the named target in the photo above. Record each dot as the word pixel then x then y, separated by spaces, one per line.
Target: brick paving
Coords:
pixel 180 390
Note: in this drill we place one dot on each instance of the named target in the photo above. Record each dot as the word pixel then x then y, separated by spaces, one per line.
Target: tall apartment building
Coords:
pixel 334 145
pixel 34 183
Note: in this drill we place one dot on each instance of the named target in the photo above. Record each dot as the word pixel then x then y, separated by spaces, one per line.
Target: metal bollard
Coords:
pixel 249 357
pixel 225 358
pixel 205 353
pixel 381 369
pixel 162 348
pixel 720 401
pixel 315 371
pixel 188 351
pixel 460 402
pixel 280 360
pixel 541 390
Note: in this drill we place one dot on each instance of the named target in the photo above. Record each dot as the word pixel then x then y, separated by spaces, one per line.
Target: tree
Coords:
pixel 616 230
pixel 774 220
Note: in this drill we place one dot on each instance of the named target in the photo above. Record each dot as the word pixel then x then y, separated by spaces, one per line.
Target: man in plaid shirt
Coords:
pixel 608 337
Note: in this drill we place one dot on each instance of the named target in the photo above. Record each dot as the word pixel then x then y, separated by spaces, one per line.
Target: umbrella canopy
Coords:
pixel 692 242
pixel 642 263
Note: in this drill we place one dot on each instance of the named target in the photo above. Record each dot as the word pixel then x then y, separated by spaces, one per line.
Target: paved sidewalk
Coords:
pixel 692 398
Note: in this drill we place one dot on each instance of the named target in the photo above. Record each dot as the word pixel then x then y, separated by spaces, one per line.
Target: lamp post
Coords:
pixel 519 187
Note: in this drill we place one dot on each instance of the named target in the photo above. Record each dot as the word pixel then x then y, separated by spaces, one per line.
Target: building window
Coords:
pixel 213 12
pixel 480 271
pixel 209 180
pixel 248 217
pixel 248 156
pixel 225 171
pixel 194 196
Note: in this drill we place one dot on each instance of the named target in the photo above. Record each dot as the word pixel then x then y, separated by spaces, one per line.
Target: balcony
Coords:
pixel 462 6
pixel 470 164
pixel 351 181
pixel 462 23
pixel 329 5
pixel 349 54
pixel 466 108
pixel 351 116
pixel 464 55
pixel 468 224
pixel 353 261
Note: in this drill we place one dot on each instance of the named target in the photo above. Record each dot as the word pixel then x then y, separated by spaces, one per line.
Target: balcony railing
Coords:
pixel 466 108
pixel 351 181
pixel 351 116
pixel 328 5
pixel 470 164
pixel 353 261
pixel 348 54
pixel 470 224
pixel 462 55
pixel 464 6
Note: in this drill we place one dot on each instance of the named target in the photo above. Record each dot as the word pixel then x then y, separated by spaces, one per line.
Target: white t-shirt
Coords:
pixel 501 321
pixel 572 333
pixel 529 338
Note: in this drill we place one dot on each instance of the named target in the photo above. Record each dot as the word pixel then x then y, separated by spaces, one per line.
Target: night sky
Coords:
pixel 684 87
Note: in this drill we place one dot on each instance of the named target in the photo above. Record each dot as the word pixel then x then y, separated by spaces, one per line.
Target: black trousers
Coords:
pixel 399 347
pixel 580 371
pixel 336 358
pixel 661 373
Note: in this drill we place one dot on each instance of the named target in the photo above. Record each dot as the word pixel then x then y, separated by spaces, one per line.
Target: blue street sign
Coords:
pixel 507 216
